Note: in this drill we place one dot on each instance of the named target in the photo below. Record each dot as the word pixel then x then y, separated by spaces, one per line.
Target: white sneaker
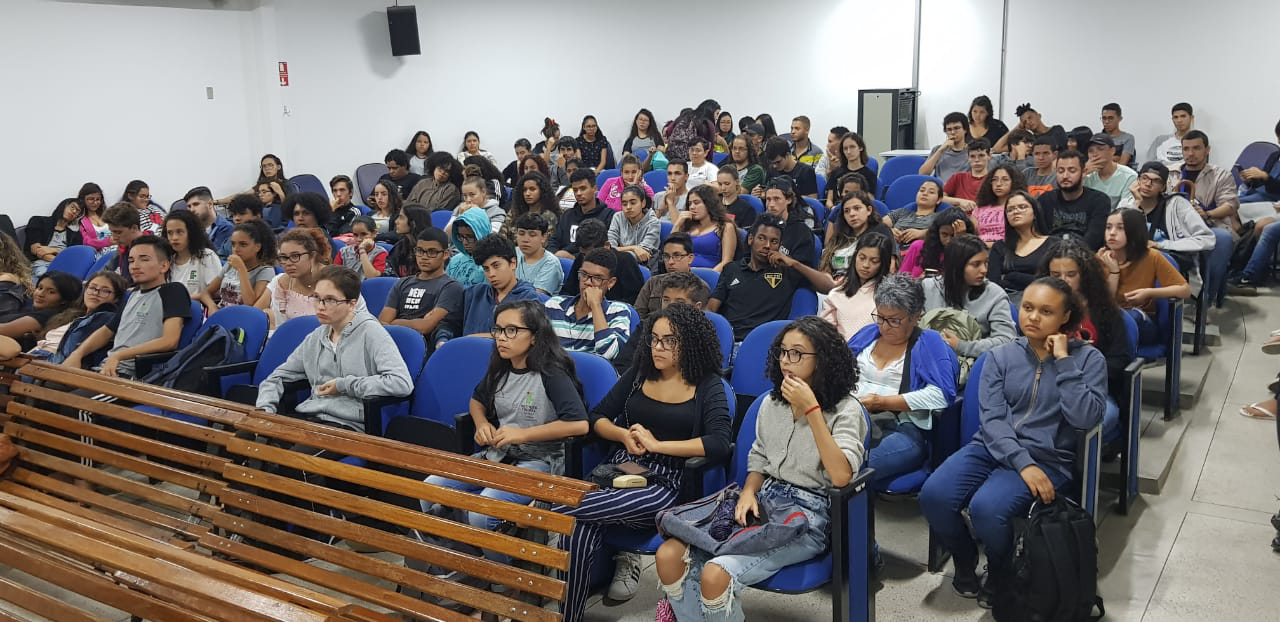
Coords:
pixel 626 577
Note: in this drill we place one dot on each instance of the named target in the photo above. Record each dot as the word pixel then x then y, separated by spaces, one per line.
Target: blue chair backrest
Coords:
pixel 644 272
pixel 107 259
pixel 748 368
pixel 271 214
pixel 1131 334
pixel 822 185
pixel 817 251
pixel 882 208
pixel 874 165
pixel 440 219
pixel 969 414
pixel 307 182
pixel 596 374
pixel 746 437
pixel 367 177
pixel 412 347
pixel 724 334
pixel 192 325
pixel 365 210
pixel 641 154
pixel 566 265
pixel 375 292
pixel 755 202
pixel 1254 154
pixel 74 260
pixel 656 180
pixel 180 204
pixel 710 276
pixel 897 167
pixel 284 341
pixel 803 302
pixel 719 157
pixel 337 245
pixel 664 229
pixel 385 246
pixel 449 377
pixel 250 319
pixel 606 175
pixel 636 322
pixel 902 192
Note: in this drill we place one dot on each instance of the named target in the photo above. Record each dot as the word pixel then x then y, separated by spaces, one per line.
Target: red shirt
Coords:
pixel 963 185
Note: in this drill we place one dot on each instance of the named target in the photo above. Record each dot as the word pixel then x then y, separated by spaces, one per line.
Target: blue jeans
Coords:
pixel 901 450
pixel 1111 421
pixel 1148 328
pixel 1260 261
pixel 480 520
pixel 686 594
pixel 993 493
pixel 1215 282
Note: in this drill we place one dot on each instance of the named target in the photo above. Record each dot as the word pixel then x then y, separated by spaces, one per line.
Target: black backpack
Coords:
pixel 185 370
pixel 1055 567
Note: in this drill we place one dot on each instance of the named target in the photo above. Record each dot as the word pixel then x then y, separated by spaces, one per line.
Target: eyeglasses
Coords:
pixel 431 253
pixel 292 257
pixel 592 279
pixel 100 291
pixel 891 322
pixel 329 302
pixel 668 343
pixel 790 356
pixel 675 256
pixel 1021 207
pixel 465 237
pixel 508 332
pixel 1151 179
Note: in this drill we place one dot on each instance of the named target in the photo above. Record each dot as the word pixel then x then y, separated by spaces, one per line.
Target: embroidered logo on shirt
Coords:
pixel 773 278
pixel 735 282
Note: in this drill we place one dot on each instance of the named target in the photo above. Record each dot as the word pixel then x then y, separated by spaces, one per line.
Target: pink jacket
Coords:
pixel 611 192
pixel 90 235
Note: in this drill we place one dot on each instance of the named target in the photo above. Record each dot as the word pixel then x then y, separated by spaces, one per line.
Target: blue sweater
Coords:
pixel 933 362
pixel 478 305
pixel 1030 409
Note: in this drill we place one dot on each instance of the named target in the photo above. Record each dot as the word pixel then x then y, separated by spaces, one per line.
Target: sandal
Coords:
pixel 1266 415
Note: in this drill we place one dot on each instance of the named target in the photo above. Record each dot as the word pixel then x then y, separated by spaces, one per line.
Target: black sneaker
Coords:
pixel 990 585
pixel 966 583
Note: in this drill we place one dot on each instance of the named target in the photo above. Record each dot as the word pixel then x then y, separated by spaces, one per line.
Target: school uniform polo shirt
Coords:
pixel 749 298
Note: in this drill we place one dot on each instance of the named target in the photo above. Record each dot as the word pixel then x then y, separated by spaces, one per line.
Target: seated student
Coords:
pixel 738 209
pixel 1212 191
pixel 677 256
pixel 243 208
pixel 418 149
pixel 102 296
pixel 303 253
pixel 963 286
pixel 1019 154
pixel 93 229
pixel 782 163
pixel 1102 173
pixel 471 147
pixel 1173 224
pixel 511 173
pixel 1042 175
pixel 1015 260
pixel 1167 148
pixel 528 402
pixel 566 151
pixel 1001 183
pixel 1029 119
pixel 440 188
pixel 216 228
pixel 961 190
pixel 850 304
pixel 1137 273
pixel 951 156
pixel 478 166
pixel 982 121
pixel 589 321
pixel 250 267
pixel 496 256
pixel 152 318
pixel 1030 388
pixel 342 209
pixel 670 406
pixel 564 241
pixel 467 227
pixel 715 238
pixel 759 287
pixel 1078 138
pixel 15 276
pixel 55 292
pixel 1126 148
pixel 193 262
pixel 428 301
pixel 594 149
pixel 852 159
pixel 150 216
pixel 671 202
pixel 398 172
pixel 592 236
pixel 924 257
pixel 903 374
pixel 565 197
pixel 802 147
pixel 534 264
pixel 532 195
pixel 272 205
pixel 309 210
pixel 46 236
pixel 808 439
pixel 400 261
pixel 1262 184
pixel 782 202
pixel 645 135
pixel 701 170
pixel 742 157
pixel 1073 209
pixel 363 257
pixel 386 204
pixel 635 230
pixel 1101 325
pixel 271 175
pixel 122 222
pixel 858 217
pixel 684 287
pixel 911 222
pixel 611 191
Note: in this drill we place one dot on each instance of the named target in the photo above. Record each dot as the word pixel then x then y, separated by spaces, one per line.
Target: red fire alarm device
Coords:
pixel 284 73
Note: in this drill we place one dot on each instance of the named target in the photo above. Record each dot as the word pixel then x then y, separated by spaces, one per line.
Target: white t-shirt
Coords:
pixel 699 175
pixel 197 273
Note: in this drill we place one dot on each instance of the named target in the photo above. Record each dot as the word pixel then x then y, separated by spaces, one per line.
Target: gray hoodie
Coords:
pixel 364 361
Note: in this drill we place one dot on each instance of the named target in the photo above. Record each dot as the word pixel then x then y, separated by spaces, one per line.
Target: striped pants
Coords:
pixel 633 507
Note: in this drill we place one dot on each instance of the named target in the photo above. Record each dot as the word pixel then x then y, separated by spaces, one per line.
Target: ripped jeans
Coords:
pixel 685 595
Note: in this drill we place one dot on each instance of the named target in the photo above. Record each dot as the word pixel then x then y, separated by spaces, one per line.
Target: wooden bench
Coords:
pixel 167 531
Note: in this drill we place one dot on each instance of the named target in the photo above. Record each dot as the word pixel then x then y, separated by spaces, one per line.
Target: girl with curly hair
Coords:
pixel 924 257
pixel 670 406
pixel 809 432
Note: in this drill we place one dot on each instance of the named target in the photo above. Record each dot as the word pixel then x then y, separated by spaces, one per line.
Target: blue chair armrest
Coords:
pixel 702 476
pixel 373 409
pixel 852 540
pixel 465 427
pixel 1131 419
pixel 1085 470
pixel 1173 360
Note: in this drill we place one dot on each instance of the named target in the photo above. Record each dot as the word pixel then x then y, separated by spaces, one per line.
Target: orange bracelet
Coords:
pixel 813 408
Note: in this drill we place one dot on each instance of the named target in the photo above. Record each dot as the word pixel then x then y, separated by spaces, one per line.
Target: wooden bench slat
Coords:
pixel 447 558
pixel 123 413
pixel 542 486
pixel 151 528
pixel 226 413
pixel 356 613
pixel 523 515
pixel 154 495
pixel 42 604
pixel 209 604
pixel 347 502
pixel 132 511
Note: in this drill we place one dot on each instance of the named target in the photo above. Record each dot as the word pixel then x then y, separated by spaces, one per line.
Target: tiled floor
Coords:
pixel 1198 551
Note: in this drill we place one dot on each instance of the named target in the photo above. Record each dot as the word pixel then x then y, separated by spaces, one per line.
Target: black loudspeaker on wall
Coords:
pixel 402 22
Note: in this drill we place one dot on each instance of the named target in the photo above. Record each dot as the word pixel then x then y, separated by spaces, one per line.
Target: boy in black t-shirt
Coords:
pixel 782 163
pixel 592 234
pixel 429 299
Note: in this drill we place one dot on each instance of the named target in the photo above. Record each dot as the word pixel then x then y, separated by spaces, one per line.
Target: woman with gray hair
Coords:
pixel 904 373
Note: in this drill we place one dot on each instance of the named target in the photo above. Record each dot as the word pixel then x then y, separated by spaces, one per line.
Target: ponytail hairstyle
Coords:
pixel 260 232
pixel 549 127
pixel 644 197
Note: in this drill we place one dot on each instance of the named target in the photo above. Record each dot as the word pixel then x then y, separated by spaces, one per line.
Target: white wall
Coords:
pixel 959 60
pixel 109 93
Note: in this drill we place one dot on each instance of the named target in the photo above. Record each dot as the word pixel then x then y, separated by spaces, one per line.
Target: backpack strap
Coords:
pixel 905 385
